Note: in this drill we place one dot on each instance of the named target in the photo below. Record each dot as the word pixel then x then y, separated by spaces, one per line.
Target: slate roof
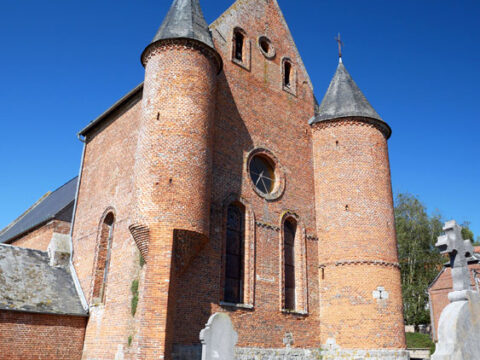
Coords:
pixel 28 283
pixel 56 205
pixel 185 20
pixel 344 99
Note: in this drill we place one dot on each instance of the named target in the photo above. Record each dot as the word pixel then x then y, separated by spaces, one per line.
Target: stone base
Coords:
pixel 194 352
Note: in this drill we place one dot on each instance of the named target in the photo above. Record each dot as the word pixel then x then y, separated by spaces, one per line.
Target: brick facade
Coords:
pixel 169 162
pixel 356 227
pixel 27 336
pixel 438 293
pixel 40 237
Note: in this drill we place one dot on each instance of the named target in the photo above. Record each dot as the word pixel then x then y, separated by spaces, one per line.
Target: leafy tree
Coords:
pixel 420 261
pixel 466 232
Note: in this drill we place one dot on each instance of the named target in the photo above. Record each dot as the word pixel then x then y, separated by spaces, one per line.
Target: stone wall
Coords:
pixel 194 352
pixel 28 336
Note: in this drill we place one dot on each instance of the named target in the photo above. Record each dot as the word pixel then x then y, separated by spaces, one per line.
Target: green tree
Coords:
pixel 420 261
pixel 466 232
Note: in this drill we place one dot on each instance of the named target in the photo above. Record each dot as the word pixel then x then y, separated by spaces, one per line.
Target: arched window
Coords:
pixel 289 234
pixel 238 45
pixel 293 285
pixel 103 258
pixel 234 254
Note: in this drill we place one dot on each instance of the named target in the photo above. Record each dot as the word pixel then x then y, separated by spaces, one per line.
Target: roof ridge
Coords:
pixel 21 216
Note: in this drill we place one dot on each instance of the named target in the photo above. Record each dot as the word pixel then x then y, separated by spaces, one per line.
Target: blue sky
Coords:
pixel 64 62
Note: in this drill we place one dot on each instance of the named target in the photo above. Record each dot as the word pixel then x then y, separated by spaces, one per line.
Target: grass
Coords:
pixel 134 289
pixel 420 341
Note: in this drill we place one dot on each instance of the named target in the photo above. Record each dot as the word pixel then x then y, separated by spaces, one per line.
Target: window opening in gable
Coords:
pixel 239 42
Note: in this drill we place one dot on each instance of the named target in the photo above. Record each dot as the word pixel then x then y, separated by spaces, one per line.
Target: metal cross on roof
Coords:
pixel 340 44
pixel 461 253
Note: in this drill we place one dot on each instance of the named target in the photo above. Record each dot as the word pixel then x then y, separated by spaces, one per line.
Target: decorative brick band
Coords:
pixel 355 121
pixel 268 226
pixel 141 235
pixel 182 44
pixel 360 262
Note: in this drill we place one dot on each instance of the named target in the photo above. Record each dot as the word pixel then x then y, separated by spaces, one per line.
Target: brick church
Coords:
pixel 217 185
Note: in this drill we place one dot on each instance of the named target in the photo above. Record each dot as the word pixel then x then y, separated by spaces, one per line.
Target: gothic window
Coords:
pixel 238 46
pixel 290 229
pixel 103 258
pixel 234 254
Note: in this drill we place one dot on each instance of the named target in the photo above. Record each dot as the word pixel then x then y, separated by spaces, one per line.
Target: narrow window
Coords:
pixel 234 254
pixel 239 41
pixel 103 258
pixel 290 229
pixel 287 74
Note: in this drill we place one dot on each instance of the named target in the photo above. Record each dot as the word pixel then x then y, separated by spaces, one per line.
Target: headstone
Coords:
pixel 218 338
pixel 459 326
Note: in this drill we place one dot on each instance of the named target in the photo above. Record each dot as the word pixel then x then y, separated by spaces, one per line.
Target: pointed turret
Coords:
pixel 185 20
pixel 356 223
pixel 344 99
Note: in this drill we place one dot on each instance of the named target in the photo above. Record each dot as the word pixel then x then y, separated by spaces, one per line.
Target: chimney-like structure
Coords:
pixel 173 160
pixel 360 286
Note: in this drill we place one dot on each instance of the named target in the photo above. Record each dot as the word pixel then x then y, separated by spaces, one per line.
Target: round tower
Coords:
pixel 361 301
pixel 173 160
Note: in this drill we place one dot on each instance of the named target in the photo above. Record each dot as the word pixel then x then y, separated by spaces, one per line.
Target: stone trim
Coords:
pixel 360 262
pixel 354 121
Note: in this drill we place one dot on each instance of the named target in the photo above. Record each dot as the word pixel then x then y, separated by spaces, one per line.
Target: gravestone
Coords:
pixel 459 326
pixel 218 338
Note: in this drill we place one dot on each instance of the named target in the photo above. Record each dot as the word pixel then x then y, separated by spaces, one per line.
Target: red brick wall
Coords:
pixel 253 111
pixel 356 230
pixel 107 185
pixel 39 239
pixel 28 336
pixel 172 172
pixel 439 294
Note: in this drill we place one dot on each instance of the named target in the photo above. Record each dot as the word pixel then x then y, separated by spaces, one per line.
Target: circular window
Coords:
pixel 265 175
pixel 266 47
pixel 262 173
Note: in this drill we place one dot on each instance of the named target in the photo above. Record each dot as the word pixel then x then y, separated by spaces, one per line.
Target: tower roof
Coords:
pixel 344 99
pixel 185 20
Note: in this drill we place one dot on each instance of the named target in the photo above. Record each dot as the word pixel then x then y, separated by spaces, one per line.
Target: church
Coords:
pixel 217 185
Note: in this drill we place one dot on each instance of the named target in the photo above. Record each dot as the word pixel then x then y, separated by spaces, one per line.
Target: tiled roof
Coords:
pixel 56 205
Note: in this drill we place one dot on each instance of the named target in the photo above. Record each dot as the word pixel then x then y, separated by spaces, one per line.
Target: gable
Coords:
pixel 260 17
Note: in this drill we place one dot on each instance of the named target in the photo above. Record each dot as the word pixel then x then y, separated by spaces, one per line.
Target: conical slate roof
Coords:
pixel 344 99
pixel 185 20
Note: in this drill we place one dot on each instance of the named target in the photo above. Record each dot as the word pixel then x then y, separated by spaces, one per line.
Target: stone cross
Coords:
pixel 460 252
pixel 218 338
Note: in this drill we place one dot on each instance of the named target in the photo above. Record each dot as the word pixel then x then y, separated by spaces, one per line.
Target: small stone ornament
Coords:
pixel 288 339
